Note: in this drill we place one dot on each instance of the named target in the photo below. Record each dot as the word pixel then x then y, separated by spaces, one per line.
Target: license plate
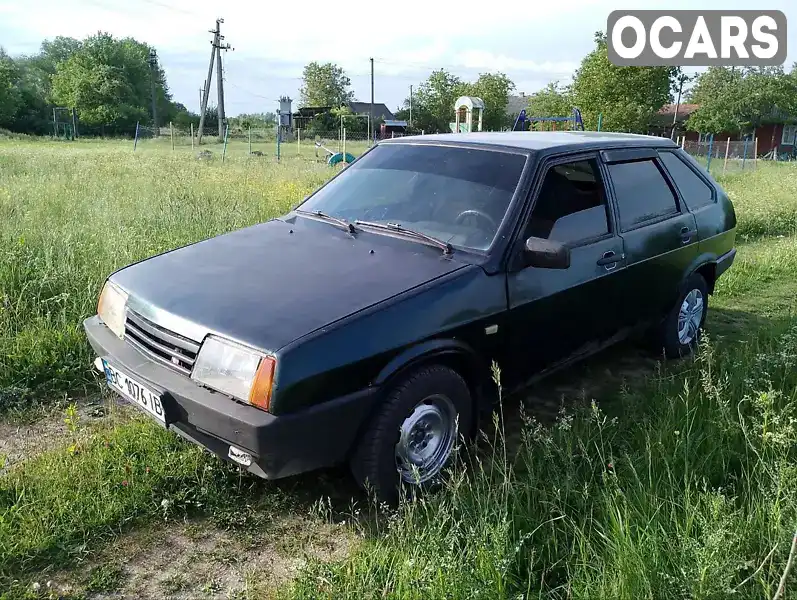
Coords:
pixel 135 392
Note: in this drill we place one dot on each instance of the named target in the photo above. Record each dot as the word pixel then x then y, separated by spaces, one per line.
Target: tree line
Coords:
pixel 731 100
pixel 108 81
pixel 625 99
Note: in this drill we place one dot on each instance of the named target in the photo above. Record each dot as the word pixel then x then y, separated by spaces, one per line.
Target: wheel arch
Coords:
pixel 455 354
pixel 704 265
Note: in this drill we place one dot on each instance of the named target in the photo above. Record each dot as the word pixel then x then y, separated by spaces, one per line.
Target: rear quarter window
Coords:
pixel 642 193
pixel 693 189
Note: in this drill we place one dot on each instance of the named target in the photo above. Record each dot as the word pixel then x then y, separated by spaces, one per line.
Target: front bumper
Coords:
pixel 281 445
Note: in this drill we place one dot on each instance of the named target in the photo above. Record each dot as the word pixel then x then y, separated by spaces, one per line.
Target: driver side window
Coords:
pixel 571 206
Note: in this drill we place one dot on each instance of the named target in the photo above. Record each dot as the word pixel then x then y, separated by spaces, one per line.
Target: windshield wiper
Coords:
pixel 322 215
pixel 395 227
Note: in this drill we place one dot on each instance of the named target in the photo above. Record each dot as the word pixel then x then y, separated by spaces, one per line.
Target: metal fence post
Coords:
pixel 299 141
pixel 727 147
pixel 226 135
pixel 171 132
pixel 250 139
pixel 710 146
pixel 744 158
pixel 135 140
pixel 755 153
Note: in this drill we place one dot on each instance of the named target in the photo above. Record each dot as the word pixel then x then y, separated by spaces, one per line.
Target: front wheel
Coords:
pixel 680 332
pixel 412 438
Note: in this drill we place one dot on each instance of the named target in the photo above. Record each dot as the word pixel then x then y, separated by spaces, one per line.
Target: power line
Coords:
pixel 238 87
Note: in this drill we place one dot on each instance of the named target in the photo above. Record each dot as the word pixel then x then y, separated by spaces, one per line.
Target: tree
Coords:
pixel 628 97
pixel 9 94
pixel 734 100
pixel 32 85
pixel 494 90
pixel 108 81
pixel 325 85
pixel 433 103
pixel 55 51
pixel 551 101
pixel 265 120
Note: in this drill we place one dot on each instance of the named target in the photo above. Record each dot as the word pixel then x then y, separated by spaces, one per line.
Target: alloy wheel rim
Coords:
pixel 426 439
pixel 690 317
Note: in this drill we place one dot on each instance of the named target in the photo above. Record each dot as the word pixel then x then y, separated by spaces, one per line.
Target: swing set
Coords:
pixel 64 123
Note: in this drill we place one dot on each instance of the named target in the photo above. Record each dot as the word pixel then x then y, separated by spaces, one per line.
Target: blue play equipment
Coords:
pixel 575 122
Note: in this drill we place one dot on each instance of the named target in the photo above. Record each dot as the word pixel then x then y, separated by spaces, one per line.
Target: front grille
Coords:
pixel 162 345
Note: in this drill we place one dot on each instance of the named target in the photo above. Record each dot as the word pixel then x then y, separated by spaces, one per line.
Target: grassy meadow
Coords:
pixel 655 480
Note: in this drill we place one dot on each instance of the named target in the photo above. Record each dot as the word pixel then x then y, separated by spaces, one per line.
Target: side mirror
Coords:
pixel 546 254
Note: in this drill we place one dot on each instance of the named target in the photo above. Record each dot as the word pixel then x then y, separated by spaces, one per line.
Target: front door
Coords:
pixel 553 314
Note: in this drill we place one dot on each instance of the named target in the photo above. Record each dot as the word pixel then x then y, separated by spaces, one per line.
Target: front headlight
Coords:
pixel 111 308
pixel 235 370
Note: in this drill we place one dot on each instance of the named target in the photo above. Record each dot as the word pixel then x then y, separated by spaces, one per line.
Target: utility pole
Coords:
pixel 153 70
pixel 220 77
pixel 373 131
pixel 206 92
pixel 410 123
pixel 681 80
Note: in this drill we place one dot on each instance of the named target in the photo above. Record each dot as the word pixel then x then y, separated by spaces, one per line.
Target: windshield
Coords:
pixel 457 195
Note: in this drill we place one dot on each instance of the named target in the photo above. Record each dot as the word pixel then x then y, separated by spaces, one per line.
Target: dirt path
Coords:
pixel 20 440
pixel 195 559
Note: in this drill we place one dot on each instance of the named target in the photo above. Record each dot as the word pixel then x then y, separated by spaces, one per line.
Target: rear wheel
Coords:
pixel 411 439
pixel 679 334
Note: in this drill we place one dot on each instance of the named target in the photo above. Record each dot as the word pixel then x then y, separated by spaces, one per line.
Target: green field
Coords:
pixel 657 480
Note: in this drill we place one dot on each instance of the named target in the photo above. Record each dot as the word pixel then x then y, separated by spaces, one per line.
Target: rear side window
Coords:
pixel 642 193
pixel 695 192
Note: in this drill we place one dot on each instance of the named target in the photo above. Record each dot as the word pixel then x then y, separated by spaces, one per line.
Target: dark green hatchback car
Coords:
pixel 361 327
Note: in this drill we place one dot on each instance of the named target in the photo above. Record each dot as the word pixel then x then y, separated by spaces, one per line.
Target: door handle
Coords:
pixel 686 235
pixel 610 259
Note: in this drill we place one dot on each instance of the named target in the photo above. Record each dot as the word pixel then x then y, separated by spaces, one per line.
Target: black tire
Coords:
pixel 667 336
pixel 374 463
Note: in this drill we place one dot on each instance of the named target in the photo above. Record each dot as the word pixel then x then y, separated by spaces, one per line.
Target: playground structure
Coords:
pixel 571 123
pixel 334 158
pixel 64 123
pixel 464 108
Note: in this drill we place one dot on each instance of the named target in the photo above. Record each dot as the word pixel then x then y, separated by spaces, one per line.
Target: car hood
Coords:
pixel 274 282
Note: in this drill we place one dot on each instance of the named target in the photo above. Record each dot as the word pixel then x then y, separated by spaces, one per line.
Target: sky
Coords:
pixel 273 41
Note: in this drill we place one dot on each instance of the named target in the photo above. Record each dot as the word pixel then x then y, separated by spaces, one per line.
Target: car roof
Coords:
pixel 540 140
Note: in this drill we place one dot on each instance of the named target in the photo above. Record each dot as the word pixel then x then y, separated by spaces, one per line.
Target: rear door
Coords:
pixel 555 313
pixel 659 233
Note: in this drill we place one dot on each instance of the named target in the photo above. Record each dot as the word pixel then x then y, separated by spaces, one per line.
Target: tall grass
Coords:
pixel 679 489
pixel 70 214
